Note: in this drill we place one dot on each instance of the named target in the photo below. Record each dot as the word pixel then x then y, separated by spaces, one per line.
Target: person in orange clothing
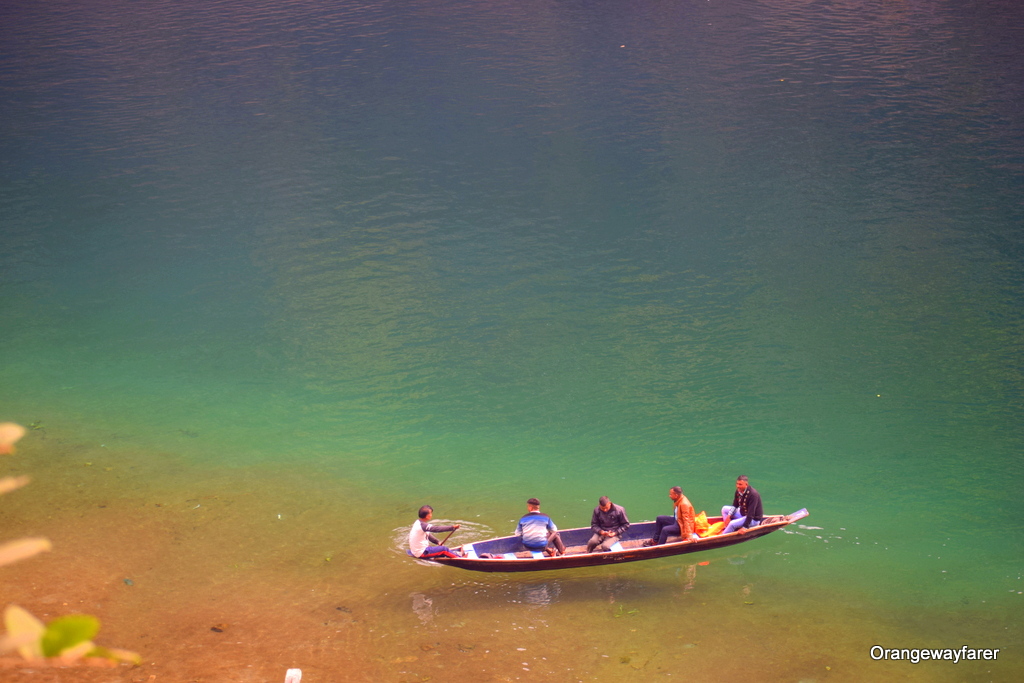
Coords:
pixel 678 524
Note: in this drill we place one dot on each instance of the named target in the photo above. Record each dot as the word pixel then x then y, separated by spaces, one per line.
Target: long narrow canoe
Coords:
pixel 507 554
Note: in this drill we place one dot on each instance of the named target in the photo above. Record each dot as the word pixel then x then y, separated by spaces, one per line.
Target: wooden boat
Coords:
pixel 507 554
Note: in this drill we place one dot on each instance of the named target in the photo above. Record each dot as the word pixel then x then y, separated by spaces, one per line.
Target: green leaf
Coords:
pixel 67 632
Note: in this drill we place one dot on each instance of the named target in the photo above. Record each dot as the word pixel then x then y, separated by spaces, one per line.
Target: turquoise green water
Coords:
pixel 474 253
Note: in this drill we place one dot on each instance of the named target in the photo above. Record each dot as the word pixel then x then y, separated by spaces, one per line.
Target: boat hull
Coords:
pixel 508 554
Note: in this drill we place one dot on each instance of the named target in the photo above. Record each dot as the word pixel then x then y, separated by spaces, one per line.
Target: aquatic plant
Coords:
pixel 66 639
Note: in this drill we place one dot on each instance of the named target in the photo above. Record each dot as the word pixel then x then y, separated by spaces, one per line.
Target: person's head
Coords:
pixel 533 504
pixel 426 512
pixel 675 493
pixel 605 503
pixel 742 483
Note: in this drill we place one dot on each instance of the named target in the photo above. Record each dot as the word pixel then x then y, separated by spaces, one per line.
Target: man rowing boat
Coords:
pixel 421 536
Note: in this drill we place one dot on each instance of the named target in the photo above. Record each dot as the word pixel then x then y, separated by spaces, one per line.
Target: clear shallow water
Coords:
pixel 475 252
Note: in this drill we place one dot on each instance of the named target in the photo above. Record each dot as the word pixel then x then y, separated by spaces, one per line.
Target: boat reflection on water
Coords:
pixel 423 607
pixel 627 586
pixel 540 594
pixel 687 575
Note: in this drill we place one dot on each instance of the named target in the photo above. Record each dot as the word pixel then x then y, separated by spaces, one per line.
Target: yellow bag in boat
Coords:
pixel 712 530
pixel 700 523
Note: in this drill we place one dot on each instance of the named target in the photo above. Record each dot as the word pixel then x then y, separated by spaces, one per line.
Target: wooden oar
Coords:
pixel 447 537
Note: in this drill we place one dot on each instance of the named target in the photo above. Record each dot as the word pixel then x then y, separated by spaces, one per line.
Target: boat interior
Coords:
pixel 575 541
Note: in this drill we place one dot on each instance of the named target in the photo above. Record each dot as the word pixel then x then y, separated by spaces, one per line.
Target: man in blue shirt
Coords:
pixel 538 531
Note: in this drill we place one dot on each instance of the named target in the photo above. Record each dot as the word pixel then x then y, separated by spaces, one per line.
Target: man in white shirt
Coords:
pixel 421 536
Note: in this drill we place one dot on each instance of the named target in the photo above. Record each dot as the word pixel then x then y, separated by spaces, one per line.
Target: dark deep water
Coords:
pixel 467 253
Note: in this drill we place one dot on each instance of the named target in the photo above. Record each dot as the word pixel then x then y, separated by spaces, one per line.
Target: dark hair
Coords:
pixel 677 489
pixel 742 477
pixel 605 500
pixel 533 501
pixel 425 510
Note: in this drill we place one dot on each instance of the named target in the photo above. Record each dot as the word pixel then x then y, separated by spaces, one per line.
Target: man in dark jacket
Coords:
pixel 608 523
pixel 746 511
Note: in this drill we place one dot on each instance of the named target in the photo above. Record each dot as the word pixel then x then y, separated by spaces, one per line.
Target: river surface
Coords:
pixel 275 274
